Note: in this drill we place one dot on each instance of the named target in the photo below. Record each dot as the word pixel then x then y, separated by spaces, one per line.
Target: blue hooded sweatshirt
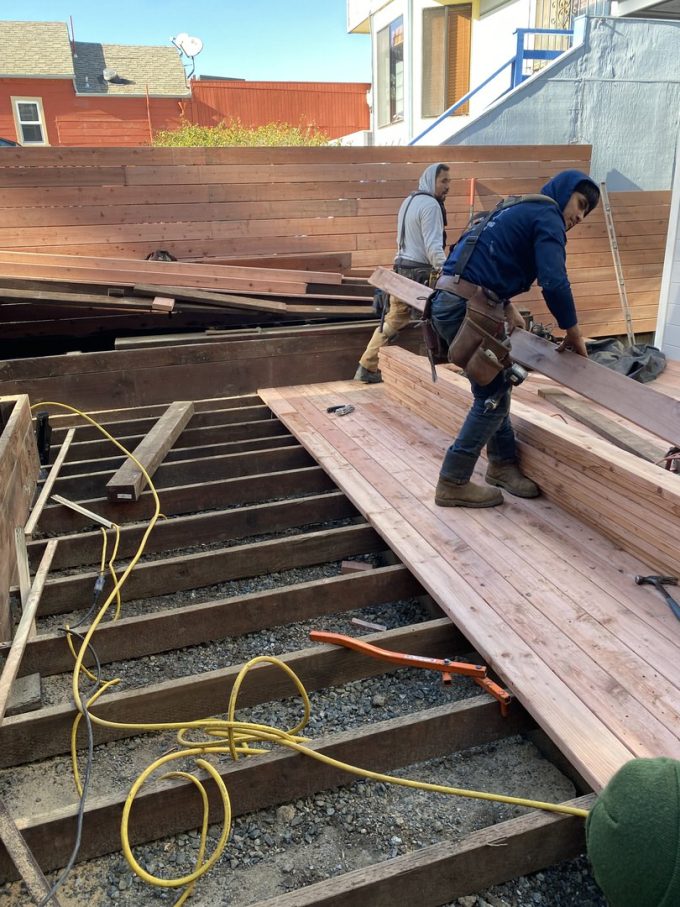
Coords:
pixel 524 243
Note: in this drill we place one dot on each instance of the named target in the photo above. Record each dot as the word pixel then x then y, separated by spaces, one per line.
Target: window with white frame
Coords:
pixel 29 119
pixel 390 49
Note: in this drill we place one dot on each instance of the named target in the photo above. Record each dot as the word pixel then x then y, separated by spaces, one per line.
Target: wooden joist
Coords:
pixel 19 469
pixel 25 628
pixel 129 481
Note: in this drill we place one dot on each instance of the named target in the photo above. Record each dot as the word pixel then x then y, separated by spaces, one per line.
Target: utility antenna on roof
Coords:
pixel 188 46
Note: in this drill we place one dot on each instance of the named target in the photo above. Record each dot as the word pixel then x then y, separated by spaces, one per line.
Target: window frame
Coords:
pixel 19 123
pixel 389 97
pixel 445 12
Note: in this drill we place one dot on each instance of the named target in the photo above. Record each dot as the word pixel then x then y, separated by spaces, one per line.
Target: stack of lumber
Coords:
pixel 633 502
pixel 75 294
pixel 318 207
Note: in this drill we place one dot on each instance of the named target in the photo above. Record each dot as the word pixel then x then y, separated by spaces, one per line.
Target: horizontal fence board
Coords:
pixel 254 203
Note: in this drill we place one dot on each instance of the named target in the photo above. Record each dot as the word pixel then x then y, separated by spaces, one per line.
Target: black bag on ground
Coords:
pixel 641 361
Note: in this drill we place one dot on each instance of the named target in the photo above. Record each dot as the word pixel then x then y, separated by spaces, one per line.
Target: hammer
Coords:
pixel 659 582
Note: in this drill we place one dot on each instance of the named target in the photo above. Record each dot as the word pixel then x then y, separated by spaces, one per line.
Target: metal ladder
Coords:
pixel 614 246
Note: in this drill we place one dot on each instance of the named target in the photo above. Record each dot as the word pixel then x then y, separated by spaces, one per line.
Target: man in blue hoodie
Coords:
pixel 420 254
pixel 519 244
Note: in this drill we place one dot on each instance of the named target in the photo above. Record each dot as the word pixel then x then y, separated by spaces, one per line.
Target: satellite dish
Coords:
pixel 190 45
pixel 109 75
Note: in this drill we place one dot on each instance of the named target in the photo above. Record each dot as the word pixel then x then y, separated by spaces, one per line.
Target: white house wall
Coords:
pixel 668 327
pixel 493 42
pixel 618 91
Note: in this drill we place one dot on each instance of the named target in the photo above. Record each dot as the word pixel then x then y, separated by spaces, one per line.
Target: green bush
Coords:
pixel 234 132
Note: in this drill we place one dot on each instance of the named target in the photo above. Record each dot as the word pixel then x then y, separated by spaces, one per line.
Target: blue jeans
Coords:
pixel 491 429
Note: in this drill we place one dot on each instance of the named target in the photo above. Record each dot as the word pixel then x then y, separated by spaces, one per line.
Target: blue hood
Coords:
pixel 562 186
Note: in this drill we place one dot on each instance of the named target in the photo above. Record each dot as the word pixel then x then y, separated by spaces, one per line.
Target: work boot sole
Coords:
pixel 494 502
pixel 510 490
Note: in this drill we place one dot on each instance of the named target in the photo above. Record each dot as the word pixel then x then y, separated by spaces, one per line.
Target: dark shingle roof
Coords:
pixel 43 49
pixel 35 49
pixel 157 68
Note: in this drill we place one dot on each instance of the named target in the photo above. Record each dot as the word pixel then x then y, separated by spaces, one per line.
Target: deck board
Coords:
pixel 548 601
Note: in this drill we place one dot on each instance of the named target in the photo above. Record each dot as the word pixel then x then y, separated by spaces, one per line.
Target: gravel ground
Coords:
pixel 281 849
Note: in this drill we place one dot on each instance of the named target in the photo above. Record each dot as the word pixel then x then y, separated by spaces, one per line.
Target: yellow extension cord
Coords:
pixel 224 736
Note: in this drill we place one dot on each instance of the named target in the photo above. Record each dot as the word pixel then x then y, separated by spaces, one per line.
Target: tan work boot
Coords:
pixel 449 494
pixel 509 477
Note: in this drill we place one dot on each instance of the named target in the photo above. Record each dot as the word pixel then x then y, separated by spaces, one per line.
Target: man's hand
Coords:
pixel 573 341
pixel 513 318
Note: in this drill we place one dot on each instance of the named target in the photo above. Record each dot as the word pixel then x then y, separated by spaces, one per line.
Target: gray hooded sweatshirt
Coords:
pixel 423 236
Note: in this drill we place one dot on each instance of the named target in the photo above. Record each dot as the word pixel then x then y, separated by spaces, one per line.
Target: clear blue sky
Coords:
pixel 288 40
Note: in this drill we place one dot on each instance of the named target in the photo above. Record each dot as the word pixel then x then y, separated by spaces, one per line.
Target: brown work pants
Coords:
pixel 396 319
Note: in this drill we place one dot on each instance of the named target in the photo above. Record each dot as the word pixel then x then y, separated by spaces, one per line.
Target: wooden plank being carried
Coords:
pixel 128 482
pixel 636 402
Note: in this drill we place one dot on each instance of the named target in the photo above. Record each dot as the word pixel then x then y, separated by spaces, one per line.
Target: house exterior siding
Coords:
pixel 94 120
pixel 335 108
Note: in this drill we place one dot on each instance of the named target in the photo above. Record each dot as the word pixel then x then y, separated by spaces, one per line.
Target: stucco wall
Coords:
pixel 618 91
pixel 668 327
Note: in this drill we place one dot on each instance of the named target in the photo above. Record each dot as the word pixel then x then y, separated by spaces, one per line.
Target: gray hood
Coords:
pixel 428 179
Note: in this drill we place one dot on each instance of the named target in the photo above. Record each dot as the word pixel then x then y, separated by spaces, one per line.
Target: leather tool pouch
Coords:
pixel 480 346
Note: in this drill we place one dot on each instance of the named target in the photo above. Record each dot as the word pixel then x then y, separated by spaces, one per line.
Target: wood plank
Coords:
pixel 15 654
pixel 194 571
pixel 25 863
pixel 200 495
pixel 618 434
pixel 128 482
pixel 215 526
pixel 48 485
pixel 19 469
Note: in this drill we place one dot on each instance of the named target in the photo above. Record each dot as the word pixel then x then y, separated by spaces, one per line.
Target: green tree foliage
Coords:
pixel 234 133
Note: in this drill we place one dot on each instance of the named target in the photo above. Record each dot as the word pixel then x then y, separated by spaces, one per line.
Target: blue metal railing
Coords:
pixel 524 53
pixel 517 76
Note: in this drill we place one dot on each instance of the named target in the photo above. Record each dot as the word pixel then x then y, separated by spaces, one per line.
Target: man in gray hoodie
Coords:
pixel 421 239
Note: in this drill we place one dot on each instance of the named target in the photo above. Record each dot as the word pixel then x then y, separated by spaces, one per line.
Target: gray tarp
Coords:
pixel 642 362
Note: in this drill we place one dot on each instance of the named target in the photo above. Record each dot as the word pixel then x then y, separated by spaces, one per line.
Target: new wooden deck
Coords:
pixel 548 601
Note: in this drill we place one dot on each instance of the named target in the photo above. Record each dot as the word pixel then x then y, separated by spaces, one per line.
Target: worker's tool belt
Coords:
pixel 480 346
pixel 421 272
